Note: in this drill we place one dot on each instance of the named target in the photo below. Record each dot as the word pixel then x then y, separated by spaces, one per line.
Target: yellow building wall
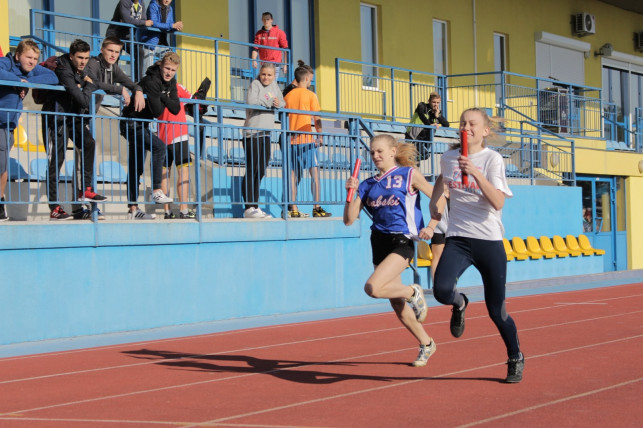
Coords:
pixel 634 203
pixel 4 26
pixel 600 162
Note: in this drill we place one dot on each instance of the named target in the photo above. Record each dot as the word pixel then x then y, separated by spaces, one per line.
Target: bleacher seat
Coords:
pixel 277 158
pixel 381 127
pixel 68 175
pixel 511 254
pixel 560 245
pixel 16 171
pixel 340 161
pixel 234 113
pixel 520 248
pixel 38 169
pixel 214 154
pixel 583 242
pixel 546 245
pixel 447 133
pixel 513 171
pixel 398 129
pixel 425 256
pixel 572 244
pixel 324 160
pixel 534 247
pixel 237 156
pixel 111 172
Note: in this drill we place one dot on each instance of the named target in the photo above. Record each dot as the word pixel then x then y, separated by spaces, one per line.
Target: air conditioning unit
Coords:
pixel 584 24
pixel 638 41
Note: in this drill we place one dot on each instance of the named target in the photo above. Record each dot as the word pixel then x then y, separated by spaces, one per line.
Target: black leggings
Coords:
pixel 257 148
pixel 490 259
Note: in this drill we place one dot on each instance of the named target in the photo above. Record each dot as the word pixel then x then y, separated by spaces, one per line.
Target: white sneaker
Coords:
pixel 161 198
pixel 140 215
pixel 253 212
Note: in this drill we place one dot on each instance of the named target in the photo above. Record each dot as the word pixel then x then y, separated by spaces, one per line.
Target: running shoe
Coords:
pixel 457 319
pixel 514 369
pixel 90 196
pixel 190 215
pixel 161 198
pixel 169 216
pixel 417 302
pixel 253 212
pixel 140 215
pixel 85 214
pixel 425 353
pixel 59 214
pixel 297 214
pixel 320 212
pixel 3 213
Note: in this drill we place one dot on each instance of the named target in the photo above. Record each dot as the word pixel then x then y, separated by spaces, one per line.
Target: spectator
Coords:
pixel 587 219
pixel 293 84
pixel 127 12
pixel 264 92
pixel 303 144
pixel 159 85
pixel 23 67
pixel 174 132
pixel 103 69
pixel 270 35
pixel 72 74
pixel 430 114
pixel 161 14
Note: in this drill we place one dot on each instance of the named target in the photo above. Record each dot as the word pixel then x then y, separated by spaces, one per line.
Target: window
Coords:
pixel 439 47
pixel 368 15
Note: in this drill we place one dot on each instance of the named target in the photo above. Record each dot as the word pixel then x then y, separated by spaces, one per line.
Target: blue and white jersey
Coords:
pixel 395 207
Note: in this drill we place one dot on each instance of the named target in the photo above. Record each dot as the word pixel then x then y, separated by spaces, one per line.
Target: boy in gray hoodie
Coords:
pixel 264 92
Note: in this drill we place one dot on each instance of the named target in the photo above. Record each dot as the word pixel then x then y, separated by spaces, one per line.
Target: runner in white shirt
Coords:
pixel 474 233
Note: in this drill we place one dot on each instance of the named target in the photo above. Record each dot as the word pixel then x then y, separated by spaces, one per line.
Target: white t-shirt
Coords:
pixel 471 215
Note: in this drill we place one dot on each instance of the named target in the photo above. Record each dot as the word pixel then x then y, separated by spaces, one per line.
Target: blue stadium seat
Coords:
pixel 213 154
pixel 277 158
pixel 447 133
pixel 111 172
pixel 70 165
pixel 340 161
pixel 513 171
pixel 237 156
pixel 38 169
pixel 16 171
pixel 324 160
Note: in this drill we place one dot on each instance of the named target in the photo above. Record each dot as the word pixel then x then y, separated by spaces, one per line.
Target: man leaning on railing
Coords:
pixel 23 67
pixel 76 99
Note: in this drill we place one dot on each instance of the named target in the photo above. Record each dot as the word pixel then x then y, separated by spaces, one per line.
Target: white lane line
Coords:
pixel 551 403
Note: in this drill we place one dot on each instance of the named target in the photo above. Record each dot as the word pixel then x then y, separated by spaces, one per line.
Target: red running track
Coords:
pixel 584 368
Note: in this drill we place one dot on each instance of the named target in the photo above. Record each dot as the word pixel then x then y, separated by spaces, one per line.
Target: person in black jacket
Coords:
pixel 429 113
pixel 103 69
pixel 159 85
pixel 72 74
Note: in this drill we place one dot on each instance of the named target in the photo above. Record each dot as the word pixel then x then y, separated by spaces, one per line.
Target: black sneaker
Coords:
pixel 190 215
pixel 3 212
pixel 457 319
pixel 59 214
pixel 320 212
pixel 81 214
pixel 514 369
pixel 169 216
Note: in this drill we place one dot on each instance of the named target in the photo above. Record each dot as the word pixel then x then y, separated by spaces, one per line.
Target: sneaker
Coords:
pixel 161 198
pixel 169 216
pixel 253 212
pixel 59 214
pixel 457 319
pixel 417 302
pixel 90 196
pixel 514 369
pixel 425 353
pixel 320 212
pixel 140 215
pixel 85 214
pixel 3 212
pixel 297 214
pixel 190 215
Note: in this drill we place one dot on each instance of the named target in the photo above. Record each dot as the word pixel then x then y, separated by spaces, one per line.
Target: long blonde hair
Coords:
pixel 491 123
pixel 406 154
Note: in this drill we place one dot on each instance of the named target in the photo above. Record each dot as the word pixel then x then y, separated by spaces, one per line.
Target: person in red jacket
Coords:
pixel 270 35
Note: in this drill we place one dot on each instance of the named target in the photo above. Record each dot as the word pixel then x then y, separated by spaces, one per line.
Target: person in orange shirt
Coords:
pixel 303 144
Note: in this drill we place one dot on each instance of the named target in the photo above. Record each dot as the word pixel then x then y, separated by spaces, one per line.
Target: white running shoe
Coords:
pixel 140 215
pixel 253 212
pixel 161 198
pixel 418 303
pixel 425 353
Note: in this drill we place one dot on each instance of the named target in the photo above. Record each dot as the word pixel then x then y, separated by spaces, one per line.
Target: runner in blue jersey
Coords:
pixel 392 198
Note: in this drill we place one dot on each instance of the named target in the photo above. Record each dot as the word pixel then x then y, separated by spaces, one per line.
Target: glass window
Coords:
pixel 368 15
pixel 300 41
pixel 603 217
pixel 499 62
pixel 19 13
pixel 439 47
pixel 620 204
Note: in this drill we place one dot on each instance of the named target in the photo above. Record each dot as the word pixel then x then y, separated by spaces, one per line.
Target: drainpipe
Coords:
pixel 475 51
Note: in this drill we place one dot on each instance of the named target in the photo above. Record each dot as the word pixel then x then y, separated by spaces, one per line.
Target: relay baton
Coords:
pixel 351 191
pixel 465 152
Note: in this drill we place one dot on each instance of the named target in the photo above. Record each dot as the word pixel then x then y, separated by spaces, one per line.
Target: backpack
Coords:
pixel 40 96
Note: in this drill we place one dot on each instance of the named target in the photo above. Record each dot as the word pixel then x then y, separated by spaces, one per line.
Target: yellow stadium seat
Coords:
pixel 22 140
pixel 559 245
pixel 534 247
pixel 572 244
pixel 583 242
pixel 508 250
pixel 520 248
pixel 425 256
pixel 546 245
